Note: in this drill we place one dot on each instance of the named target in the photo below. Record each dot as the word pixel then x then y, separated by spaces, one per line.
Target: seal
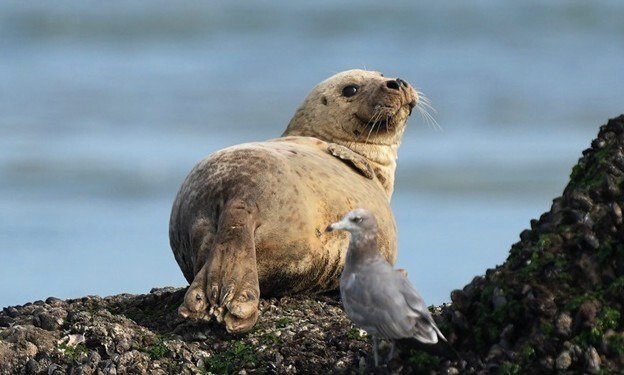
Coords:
pixel 250 218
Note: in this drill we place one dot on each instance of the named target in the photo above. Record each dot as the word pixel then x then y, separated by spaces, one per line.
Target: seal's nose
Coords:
pixel 394 84
pixel 405 84
pixel 329 228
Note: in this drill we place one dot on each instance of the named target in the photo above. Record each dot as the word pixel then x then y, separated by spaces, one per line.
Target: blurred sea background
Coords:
pixel 106 106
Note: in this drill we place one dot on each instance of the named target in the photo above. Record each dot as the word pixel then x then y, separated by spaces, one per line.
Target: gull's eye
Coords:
pixel 356 219
pixel 350 90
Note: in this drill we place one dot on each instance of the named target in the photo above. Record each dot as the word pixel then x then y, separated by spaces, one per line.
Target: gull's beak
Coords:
pixel 339 225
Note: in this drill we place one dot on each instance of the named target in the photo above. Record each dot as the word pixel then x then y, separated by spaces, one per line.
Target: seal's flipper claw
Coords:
pixel 214 295
pixel 238 325
pixel 195 302
pixel 227 294
pixel 184 312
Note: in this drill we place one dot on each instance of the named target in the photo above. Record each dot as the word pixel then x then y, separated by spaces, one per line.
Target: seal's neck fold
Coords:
pixel 383 159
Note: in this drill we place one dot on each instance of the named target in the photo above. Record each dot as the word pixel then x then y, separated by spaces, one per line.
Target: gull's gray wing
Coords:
pixel 425 326
pixel 374 299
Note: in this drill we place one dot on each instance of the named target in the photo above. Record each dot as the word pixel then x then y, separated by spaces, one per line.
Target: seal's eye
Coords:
pixel 350 90
pixel 356 219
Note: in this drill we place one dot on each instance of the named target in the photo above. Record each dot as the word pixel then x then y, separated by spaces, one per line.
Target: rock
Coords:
pixel 593 360
pixel 32 366
pixel 459 299
pixel 563 361
pixel 563 325
pixel 11 312
pixel 50 320
pixel 498 298
pixel 546 364
pixel 460 321
pixel 587 312
pixel 53 301
pixel 6 321
pixel 55 369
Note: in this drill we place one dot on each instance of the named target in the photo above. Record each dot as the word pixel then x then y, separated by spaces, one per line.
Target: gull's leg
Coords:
pixel 375 351
pixel 391 355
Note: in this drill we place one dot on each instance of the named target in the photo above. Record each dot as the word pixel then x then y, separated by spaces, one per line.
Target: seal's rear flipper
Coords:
pixel 228 281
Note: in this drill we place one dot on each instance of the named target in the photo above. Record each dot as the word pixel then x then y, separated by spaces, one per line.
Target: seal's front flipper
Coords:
pixel 355 160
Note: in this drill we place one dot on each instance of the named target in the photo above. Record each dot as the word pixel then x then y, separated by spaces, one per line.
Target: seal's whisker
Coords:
pixel 421 95
pixel 370 122
pixel 365 126
pixel 423 105
pixel 377 130
pixel 427 107
pixel 376 117
pixel 423 98
pixel 369 133
pixel 428 118
pixel 389 126
pixel 425 102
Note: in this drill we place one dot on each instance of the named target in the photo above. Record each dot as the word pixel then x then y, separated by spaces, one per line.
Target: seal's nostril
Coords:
pixel 393 84
pixel 411 105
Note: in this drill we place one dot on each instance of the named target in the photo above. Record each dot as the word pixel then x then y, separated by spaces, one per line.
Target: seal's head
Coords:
pixel 356 106
pixel 357 221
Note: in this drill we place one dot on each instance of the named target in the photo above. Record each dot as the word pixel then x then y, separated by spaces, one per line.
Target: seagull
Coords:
pixel 376 297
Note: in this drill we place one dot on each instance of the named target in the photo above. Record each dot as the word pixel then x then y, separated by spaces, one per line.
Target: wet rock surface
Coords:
pixel 554 305
pixel 143 334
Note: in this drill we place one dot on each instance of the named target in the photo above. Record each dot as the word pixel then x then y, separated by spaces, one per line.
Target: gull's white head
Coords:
pixel 359 220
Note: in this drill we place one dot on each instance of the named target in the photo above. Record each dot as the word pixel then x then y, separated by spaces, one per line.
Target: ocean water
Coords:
pixel 105 106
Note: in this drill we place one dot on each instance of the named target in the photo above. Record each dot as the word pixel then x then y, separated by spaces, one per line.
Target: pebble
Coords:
pixel 459 320
pixel 547 363
pixel 563 325
pixel 94 357
pixel 495 352
pixel 593 360
pixel 581 201
pixel 32 366
pixel 55 369
pixel 30 349
pixel 6 321
pixel 11 312
pixel 616 212
pixel 53 301
pixel 563 361
pixel 48 321
pixel 498 298
pixel 591 240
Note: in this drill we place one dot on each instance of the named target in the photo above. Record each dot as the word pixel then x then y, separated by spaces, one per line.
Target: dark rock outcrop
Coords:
pixel 556 302
pixel 554 305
